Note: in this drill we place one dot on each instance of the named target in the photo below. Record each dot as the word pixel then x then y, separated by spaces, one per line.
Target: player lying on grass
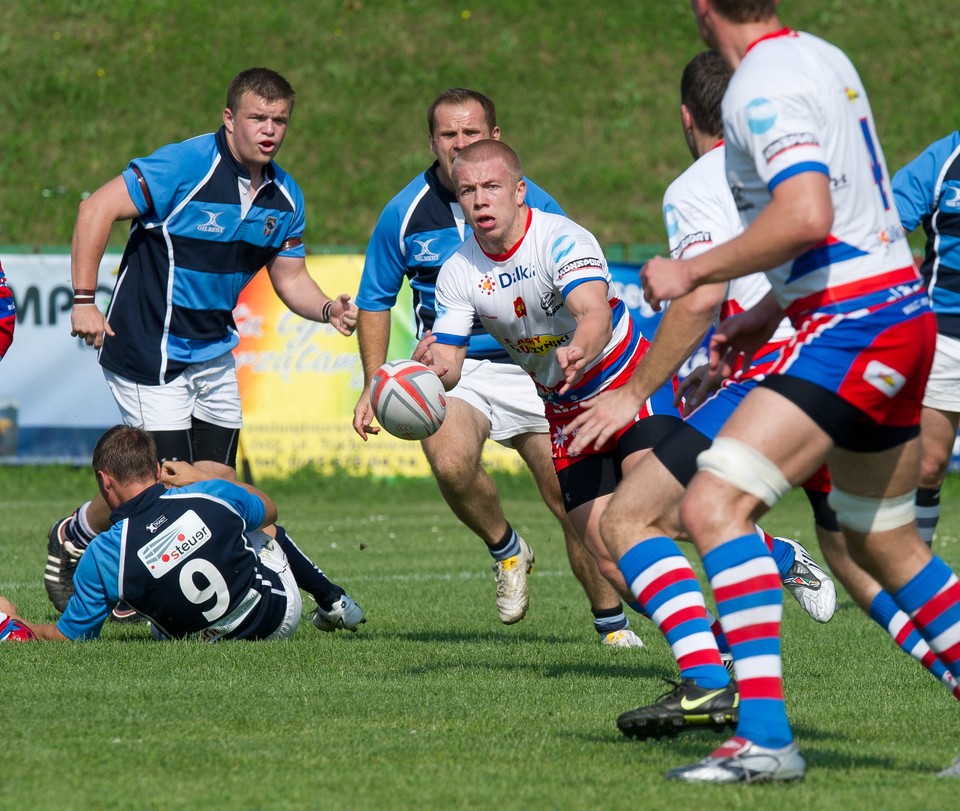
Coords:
pixel 186 551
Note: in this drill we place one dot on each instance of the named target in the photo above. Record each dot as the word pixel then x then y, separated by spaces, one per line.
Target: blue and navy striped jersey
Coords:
pixel 181 559
pixel 200 238
pixel 417 232
pixel 927 193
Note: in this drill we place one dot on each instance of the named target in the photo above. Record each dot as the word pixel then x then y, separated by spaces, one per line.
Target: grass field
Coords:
pixel 433 704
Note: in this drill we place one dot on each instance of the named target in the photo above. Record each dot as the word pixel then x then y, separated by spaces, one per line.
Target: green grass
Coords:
pixel 433 704
pixel 587 92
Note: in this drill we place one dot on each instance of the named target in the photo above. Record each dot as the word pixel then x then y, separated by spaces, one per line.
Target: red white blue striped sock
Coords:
pixel 746 586
pixel 932 600
pixel 665 584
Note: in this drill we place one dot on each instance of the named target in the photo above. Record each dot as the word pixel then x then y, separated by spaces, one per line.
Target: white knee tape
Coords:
pixel 745 468
pixel 863 514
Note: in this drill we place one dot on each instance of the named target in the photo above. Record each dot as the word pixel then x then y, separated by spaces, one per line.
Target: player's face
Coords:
pixel 255 131
pixel 492 202
pixel 457 126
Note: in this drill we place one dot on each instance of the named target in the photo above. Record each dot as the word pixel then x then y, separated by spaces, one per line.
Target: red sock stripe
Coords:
pixel 698 658
pixel 762 630
pixel 762 582
pixel 692 612
pixel 936 606
pixel 664 581
pixel 771 688
pixel 950 655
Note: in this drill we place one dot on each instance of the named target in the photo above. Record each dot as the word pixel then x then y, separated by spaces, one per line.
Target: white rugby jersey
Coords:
pixel 699 213
pixel 796 104
pixel 519 298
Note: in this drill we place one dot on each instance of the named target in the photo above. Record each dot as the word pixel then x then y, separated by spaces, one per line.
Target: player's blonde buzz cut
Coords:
pixel 487 150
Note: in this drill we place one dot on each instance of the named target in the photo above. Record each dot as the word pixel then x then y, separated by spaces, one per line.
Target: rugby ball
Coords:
pixel 408 399
pixel 12 630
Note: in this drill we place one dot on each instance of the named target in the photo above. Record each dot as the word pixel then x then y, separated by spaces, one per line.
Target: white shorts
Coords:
pixel 273 557
pixel 943 385
pixel 208 391
pixel 505 395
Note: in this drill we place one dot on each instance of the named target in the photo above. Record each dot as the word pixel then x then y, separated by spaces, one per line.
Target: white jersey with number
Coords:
pixel 699 213
pixel 796 104
pixel 519 298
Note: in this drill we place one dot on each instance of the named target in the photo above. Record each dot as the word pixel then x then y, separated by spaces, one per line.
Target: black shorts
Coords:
pixel 598 474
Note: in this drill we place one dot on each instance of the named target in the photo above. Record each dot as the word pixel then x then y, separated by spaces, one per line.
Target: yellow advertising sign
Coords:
pixel 299 383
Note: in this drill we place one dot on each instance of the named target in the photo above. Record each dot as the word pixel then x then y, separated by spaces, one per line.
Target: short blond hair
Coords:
pixel 489 149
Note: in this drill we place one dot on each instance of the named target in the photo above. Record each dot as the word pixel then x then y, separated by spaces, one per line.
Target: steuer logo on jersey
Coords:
pixel 883 378
pixel 761 115
pixel 175 544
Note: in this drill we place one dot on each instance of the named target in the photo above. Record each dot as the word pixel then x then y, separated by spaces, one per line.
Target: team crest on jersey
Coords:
pixel 886 380
pixel 487 284
pixel 175 544
pixel 519 307
pixel 269 225
pixel 211 226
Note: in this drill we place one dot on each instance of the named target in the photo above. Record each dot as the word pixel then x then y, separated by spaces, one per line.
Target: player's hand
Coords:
pixel 87 322
pixel 573 363
pixel 363 416
pixel 179 474
pixel 8 608
pixel 738 337
pixel 664 280
pixel 422 354
pixel 696 388
pixel 601 417
pixel 343 314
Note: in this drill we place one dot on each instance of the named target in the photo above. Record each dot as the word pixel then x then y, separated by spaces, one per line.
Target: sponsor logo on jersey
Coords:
pixel 441 310
pixel 562 247
pixel 519 307
pixel 699 238
pixel 761 115
pixel 852 95
pixel 787 142
pixel 539 344
pixel 487 284
pixel 550 302
pixel 671 220
pixel 153 526
pixel 269 225
pixel 426 253
pixel 577 264
pixel 519 274
pixel 175 544
pixel 883 378
pixel 950 199
pixel 211 226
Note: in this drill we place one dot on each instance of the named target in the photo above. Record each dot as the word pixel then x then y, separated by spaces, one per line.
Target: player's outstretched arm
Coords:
pixel 373 339
pixel 303 296
pixel 44 631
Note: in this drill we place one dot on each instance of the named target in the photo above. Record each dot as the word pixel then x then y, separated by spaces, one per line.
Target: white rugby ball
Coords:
pixel 408 399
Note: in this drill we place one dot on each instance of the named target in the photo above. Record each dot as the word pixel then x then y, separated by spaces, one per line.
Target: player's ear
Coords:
pixel 686 118
pixel 521 191
pixel 495 135
pixel 228 119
